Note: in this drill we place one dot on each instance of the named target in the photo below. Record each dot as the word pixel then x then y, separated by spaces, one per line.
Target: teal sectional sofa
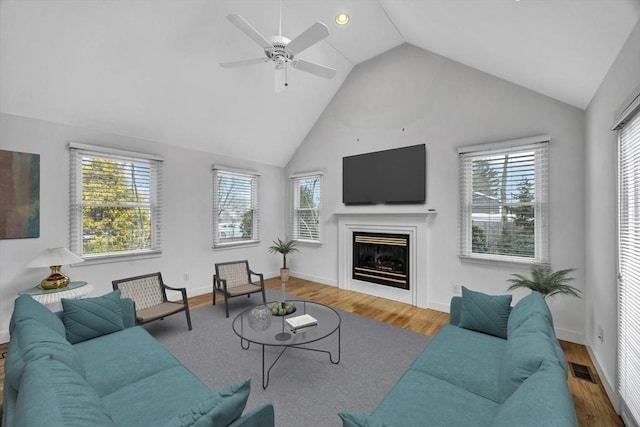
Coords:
pixel 492 365
pixel 91 366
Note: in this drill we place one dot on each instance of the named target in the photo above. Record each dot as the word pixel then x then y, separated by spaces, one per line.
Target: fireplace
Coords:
pixel 381 258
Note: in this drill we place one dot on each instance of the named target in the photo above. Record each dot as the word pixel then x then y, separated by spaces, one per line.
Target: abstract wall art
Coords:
pixel 19 195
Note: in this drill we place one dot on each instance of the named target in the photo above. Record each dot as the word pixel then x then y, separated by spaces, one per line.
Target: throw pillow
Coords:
pixel 221 409
pixel 352 419
pixel 485 313
pixel 89 318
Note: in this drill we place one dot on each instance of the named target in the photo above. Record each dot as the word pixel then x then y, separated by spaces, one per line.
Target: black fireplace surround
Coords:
pixel 381 258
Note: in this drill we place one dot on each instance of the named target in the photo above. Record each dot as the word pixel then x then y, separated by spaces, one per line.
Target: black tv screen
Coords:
pixel 389 176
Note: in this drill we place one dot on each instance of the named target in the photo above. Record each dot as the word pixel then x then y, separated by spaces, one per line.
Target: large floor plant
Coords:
pixel 546 281
pixel 284 248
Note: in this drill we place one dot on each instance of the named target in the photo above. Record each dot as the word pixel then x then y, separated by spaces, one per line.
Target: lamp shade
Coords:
pixel 55 256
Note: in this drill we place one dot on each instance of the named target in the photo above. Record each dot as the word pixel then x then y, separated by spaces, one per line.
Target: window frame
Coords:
pixel 627 125
pixel 78 151
pixel 255 181
pixel 295 206
pixel 467 155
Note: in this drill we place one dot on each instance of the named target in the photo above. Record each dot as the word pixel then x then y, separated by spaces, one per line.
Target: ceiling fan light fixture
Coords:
pixel 342 19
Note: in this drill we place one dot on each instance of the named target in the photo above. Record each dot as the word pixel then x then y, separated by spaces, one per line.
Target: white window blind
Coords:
pixel 504 201
pixel 115 199
pixel 305 221
pixel 629 267
pixel 235 208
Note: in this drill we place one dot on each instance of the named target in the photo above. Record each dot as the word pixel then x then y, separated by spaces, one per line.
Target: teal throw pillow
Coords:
pixel 221 409
pixel 485 313
pixel 89 318
pixel 352 419
pixel 52 394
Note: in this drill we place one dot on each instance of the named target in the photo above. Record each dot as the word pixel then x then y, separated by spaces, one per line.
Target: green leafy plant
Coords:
pixel 284 248
pixel 546 281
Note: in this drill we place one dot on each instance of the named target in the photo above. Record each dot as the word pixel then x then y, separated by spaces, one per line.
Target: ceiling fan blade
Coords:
pixel 310 36
pixel 248 29
pixel 242 63
pixel 313 68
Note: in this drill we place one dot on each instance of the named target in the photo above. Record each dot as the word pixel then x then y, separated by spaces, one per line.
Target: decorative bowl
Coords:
pixel 277 310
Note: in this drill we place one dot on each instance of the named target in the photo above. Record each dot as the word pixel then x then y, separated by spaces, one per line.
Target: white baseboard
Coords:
pixel 317 279
pixel 438 306
pixel 609 386
pixel 571 336
pixel 4 336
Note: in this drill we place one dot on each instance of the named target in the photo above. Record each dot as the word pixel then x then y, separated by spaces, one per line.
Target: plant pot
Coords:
pixel 284 274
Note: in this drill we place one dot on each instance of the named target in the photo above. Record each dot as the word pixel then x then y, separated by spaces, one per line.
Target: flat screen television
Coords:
pixel 390 176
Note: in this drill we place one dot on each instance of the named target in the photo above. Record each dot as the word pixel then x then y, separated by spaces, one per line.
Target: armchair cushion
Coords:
pixel 485 313
pixel 89 318
pixel 221 409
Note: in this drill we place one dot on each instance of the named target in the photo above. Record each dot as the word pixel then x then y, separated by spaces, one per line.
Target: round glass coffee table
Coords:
pixel 252 326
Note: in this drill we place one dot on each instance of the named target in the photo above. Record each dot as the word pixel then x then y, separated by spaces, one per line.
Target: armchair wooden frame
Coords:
pixel 149 295
pixel 233 279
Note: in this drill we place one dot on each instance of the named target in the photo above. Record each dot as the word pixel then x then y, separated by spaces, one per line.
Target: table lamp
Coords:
pixel 55 258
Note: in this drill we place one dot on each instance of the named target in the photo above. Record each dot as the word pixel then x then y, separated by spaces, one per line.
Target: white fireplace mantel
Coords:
pixel 368 213
pixel 411 222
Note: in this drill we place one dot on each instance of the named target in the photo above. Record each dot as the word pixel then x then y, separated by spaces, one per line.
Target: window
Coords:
pixel 504 201
pixel 235 208
pixel 305 221
pixel 115 202
pixel 629 264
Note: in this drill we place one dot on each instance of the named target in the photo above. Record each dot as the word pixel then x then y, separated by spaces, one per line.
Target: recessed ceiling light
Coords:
pixel 342 19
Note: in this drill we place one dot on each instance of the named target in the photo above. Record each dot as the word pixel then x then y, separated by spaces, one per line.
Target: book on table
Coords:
pixel 301 322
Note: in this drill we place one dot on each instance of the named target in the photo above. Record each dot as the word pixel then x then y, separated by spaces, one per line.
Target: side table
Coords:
pixel 51 298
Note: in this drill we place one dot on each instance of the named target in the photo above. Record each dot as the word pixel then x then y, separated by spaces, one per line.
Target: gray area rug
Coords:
pixel 305 387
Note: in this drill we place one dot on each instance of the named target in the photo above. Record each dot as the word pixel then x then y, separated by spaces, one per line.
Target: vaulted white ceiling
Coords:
pixel 149 69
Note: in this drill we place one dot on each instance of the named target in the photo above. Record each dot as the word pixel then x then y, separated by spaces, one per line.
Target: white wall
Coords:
pixel 601 247
pixel 187 216
pixel 409 96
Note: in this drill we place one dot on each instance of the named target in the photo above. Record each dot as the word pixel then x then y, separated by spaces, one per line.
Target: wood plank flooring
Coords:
pixel 592 404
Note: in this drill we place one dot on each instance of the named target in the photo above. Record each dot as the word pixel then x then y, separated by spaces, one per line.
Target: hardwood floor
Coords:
pixel 592 404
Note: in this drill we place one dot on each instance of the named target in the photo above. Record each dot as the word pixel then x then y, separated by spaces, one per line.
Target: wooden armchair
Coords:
pixel 233 279
pixel 149 294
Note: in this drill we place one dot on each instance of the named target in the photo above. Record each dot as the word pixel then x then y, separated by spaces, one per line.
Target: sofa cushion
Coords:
pixel 128 356
pixel 352 419
pixel 220 409
pixel 448 357
pixel 156 399
pixel 53 394
pixel 89 318
pixel 31 341
pixel 28 308
pixel 532 303
pixel 531 345
pixel 419 399
pixel 543 399
pixel 485 313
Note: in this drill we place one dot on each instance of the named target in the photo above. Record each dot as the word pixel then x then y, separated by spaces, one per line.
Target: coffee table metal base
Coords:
pixel 265 375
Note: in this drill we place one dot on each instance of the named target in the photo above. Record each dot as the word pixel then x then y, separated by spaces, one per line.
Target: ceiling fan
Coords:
pixel 283 51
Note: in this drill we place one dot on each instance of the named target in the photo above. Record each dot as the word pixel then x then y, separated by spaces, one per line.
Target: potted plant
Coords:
pixel 284 248
pixel 546 281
